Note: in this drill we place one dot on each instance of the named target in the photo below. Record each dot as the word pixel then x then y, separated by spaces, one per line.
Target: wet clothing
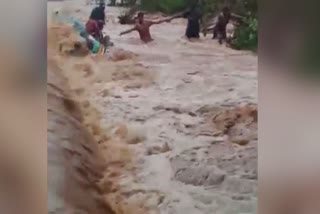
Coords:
pixel 193 27
pixel 98 14
pixel 92 35
pixel 219 29
pixel 93 28
pixel 95 46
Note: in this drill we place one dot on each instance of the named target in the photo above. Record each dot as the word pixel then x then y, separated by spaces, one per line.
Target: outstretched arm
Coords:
pixel 128 31
pixel 161 21
pixel 236 16
pixel 167 19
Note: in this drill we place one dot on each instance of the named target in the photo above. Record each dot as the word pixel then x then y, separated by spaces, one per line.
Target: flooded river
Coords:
pixel 176 121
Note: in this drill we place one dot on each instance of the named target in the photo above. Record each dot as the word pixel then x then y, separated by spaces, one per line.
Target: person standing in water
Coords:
pixel 143 27
pixel 194 16
pixel 219 30
pixel 98 14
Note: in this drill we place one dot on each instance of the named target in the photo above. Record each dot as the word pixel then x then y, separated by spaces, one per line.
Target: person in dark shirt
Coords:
pixel 194 16
pixel 98 14
pixel 219 31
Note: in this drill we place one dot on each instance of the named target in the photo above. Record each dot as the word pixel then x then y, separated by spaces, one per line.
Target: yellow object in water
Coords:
pixel 101 50
pixel 97 48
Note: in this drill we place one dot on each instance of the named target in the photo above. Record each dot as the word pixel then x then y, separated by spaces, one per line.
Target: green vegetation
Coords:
pixel 165 6
pixel 246 35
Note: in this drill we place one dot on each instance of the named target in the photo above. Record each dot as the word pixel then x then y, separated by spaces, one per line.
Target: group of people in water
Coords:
pixel 96 23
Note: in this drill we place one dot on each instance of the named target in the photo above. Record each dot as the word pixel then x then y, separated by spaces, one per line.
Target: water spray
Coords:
pixel 94 45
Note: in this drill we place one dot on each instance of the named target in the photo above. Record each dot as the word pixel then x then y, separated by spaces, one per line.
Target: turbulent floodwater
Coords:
pixel 176 121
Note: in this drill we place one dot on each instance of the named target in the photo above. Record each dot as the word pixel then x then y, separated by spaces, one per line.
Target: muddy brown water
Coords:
pixel 152 113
